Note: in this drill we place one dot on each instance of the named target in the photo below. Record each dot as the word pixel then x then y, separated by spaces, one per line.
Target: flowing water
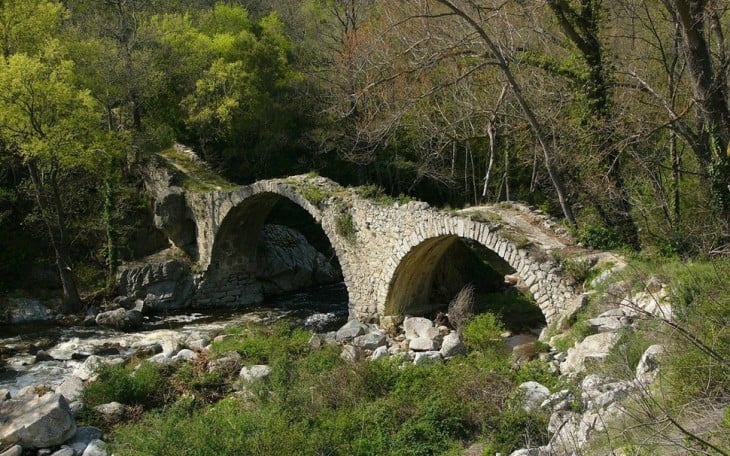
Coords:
pixel 320 309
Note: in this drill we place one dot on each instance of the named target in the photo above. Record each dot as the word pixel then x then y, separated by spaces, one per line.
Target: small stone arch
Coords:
pixel 446 260
pixel 233 253
pixel 409 282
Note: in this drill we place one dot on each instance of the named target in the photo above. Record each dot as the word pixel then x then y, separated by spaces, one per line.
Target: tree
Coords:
pixel 581 24
pixel 55 129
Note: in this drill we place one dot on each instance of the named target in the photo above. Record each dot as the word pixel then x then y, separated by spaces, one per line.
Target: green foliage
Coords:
pixel 600 237
pixel 145 386
pixel 518 429
pixel 517 310
pixel 377 194
pixel 259 345
pixel 576 269
pixel 483 334
pixel 345 226
pixel 315 402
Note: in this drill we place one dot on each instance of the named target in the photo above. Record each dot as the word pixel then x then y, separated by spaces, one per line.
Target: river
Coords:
pixel 320 309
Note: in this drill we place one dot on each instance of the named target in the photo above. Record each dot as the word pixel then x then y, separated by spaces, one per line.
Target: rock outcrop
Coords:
pixel 38 422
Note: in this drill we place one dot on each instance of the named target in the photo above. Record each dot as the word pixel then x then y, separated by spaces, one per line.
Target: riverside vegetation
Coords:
pixel 611 115
pixel 314 402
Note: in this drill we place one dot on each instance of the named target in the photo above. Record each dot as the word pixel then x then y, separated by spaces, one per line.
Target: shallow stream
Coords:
pixel 320 309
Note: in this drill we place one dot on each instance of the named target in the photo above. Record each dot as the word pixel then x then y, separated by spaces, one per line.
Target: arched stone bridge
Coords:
pixel 387 252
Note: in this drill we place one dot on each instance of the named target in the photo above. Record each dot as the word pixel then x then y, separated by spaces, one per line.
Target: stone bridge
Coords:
pixel 388 252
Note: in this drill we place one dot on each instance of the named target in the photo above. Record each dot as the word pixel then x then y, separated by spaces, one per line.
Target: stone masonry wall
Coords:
pixel 377 240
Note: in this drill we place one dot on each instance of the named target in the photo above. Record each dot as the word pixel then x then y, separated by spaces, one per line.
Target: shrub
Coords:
pixel 483 333
pixel 145 386
pixel 461 308
pixel 345 226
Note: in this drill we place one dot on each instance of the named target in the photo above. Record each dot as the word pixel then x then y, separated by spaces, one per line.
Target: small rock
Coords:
pixel 121 319
pixel 535 394
pixel 648 367
pixel 112 412
pixel 64 451
pixel 257 372
pixel 95 448
pixel 422 344
pixel 562 400
pixel 316 342
pixel 415 327
pixel 87 370
pixel 452 345
pixel 84 436
pixel 71 388
pixel 228 363
pixel 184 355
pixel 351 330
pixel 76 407
pixel 370 341
pixel 42 355
pixel 4 394
pixel 379 353
pixel 428 357
pixel 160 358
pixel 15 450
pixel 351 353
pixel 171 344
pixel 199 344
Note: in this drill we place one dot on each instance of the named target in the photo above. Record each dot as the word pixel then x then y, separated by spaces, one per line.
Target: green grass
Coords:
pixel 316 403
pixel 195 176
pixel 377 195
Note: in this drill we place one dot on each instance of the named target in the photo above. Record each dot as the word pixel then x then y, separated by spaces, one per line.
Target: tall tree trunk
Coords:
pixel 581 26
pixel 711 95
pixel 54 218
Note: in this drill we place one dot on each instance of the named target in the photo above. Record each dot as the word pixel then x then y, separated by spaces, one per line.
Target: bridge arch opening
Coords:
pixel 269 245
pixel 432 273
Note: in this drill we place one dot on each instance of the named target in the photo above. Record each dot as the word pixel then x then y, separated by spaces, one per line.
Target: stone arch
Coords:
pixel 446 261
pixel 409 282
pixel 234 247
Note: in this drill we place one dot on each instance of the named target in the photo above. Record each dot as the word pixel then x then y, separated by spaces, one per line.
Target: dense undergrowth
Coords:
pixel 316 403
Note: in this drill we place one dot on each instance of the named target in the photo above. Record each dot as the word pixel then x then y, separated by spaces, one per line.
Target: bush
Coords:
pixel 145 386
pixel 483 333
pixel 461 308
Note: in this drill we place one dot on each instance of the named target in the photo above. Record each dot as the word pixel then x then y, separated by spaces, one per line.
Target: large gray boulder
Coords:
pixel 121 319
pixel 286 261
pixel 24 310
pixel 592 349
pixel 160 281
pixel 416 327
pixel 40 422
pixel 370 341
pixel 254 373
